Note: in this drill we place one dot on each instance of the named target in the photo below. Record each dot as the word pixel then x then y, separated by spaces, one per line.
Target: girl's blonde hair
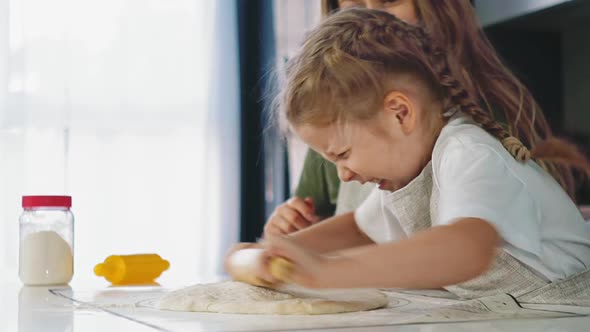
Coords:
pixel 348 64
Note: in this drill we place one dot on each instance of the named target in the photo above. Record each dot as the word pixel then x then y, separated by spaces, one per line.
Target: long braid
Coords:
pixel 459 96
pixel 455 90
pixel 509 138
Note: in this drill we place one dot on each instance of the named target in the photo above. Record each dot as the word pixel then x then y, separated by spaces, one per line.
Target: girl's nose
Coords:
pixel 345 174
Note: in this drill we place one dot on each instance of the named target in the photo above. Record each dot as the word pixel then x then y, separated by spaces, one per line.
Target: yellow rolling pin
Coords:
pixel 244 262
pixel 132 269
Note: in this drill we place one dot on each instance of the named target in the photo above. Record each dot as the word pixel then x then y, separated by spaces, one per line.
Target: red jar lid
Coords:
pixel 47 201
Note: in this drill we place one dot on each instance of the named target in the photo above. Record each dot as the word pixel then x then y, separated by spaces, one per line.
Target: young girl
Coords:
pixel 479 70
pixel 461 203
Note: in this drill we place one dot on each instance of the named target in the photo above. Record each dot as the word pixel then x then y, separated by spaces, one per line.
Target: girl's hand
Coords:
pixel 291 216
pixel 249 263
pixel 309 269
pixel 229 268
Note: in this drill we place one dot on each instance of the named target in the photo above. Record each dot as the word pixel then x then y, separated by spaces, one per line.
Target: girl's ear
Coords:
pixel 398 105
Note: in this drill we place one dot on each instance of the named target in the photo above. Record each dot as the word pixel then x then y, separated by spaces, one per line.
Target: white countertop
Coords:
pixel 27 309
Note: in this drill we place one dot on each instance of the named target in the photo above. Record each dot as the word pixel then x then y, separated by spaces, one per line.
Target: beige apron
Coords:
pixel 416 207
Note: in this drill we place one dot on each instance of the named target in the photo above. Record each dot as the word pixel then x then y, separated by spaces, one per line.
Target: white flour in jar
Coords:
pixel 45 259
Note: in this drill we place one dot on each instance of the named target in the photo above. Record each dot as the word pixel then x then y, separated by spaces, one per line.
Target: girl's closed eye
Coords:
pixel 343 155
pixel 334 157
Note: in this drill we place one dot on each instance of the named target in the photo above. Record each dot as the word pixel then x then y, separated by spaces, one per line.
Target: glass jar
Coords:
pixel 46 251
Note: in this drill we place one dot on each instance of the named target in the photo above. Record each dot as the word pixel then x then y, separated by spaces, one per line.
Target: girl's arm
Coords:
pixel 437 257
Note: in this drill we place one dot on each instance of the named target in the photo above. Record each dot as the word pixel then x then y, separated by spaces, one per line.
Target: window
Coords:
pixel 131 107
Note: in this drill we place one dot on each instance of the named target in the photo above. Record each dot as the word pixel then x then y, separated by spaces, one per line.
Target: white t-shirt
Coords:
pixel 476 177
pixel 351 195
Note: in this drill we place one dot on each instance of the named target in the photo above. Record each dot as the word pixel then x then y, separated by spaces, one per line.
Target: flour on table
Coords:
pixel 241 298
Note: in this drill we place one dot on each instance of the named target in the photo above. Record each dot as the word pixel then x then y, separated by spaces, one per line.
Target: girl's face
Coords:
pixel 402 9
pixel 389 150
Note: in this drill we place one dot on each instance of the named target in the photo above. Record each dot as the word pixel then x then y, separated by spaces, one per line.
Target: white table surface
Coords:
pixel 27 309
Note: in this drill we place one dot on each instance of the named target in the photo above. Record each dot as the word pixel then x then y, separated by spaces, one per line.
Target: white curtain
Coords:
pixel 131 107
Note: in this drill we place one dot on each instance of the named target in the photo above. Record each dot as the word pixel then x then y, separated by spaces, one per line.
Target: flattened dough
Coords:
pixel 241 298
